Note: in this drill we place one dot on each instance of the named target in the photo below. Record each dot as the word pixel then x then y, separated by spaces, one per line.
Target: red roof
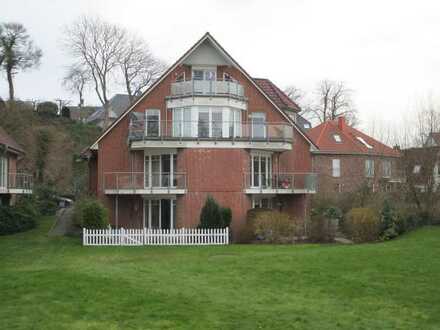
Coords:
pixel 9 142
pixel 352 141
pixel 276 95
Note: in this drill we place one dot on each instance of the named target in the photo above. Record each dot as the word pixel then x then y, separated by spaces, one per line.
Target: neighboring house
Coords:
pixel 206 127
pixel 116 106
pixel 12 182
pixel 81 113
pixel 348 158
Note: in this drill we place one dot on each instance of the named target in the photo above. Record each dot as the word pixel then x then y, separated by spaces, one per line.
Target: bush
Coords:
pixel 274 227
pixel 46 199
pixel 47 109
pixel 91 214
pixel 15 219
pixel 322 228
pixel 214 216
pixel 362 225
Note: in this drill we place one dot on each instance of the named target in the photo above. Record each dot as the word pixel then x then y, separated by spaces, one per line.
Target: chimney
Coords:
pixel 341 123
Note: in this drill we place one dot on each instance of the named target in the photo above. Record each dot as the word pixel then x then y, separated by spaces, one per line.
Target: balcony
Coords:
pixel 129 183
pixel 17 183
pixel 281 183
pixel 212 134
pixel 207 88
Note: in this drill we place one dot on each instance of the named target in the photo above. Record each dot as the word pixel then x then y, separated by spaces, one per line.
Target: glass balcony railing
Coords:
pixel 209 130
pixel 207 87
pixel 20 181
pixel 304 182
pixel 144 181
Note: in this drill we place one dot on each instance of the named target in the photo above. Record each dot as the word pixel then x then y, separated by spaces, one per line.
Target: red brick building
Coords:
pixel 12 182
pixel 347 158
pixel 206 127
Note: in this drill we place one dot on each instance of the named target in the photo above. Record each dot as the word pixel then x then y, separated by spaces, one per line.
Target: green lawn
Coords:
pixel 51 283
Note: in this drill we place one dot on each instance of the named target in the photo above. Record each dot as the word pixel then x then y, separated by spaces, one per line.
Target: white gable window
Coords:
pixel 386 169
pixel 336 168
pixel 337 138
pixel 369 168
pixel 416 169
pixel 258 124
pixel 361 140
pixel 152 122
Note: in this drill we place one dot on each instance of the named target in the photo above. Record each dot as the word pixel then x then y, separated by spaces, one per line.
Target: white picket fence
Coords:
pixel 182 236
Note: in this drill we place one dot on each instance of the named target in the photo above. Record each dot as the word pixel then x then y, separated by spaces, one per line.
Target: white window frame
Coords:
pixel 3 171
pixel 149 154
pixel 255 115
pixel 337 138
pixel 336 170
pixel 268 172
pixel 361 139
pixel 258 201
pixel 386 168
pixel 148 112
pixel 416 169
pixel 369 168
pixel 146 218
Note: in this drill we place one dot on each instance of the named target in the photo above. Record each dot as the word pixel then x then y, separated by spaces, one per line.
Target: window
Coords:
pixel 197 74
pixel 360 139
pixel 160 213
pixel 3 171
pixel 261 202
pixel 203 123
pixel 337 138
pixel 386 168
pixel 336 168
pixel 227 77
pixel 258 125
pixel 338 187
pixel 182 122
pixel 369 168
pixel 417 169
pixel 152 127
pixel 261 171
pixel 160 170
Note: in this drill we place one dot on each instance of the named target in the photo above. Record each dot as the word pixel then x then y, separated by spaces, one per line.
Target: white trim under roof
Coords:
pixel 206 36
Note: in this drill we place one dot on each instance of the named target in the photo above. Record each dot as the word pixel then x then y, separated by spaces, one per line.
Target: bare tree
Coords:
pixel 98 46
pixel 427 120
pixel 332 99
pixel 295 94
pixel 139 67
pixel 17 52
pixel 75 80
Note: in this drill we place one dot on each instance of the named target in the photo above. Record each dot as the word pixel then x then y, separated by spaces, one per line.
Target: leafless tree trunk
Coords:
pixel 97 45
pixel 139 67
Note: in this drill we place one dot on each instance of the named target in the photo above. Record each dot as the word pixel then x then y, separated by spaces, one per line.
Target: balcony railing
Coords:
pixel 207 88
pixel 209 130
pixel 281 182
pixel 20 181
pixel 120 181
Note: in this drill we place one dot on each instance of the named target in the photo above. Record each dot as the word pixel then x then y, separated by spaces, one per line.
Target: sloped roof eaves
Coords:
pixel 9 142
pixel 276 94
pixel 172 67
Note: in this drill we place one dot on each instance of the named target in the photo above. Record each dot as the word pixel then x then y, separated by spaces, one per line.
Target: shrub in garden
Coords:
pixel 322 228
pixel 274 227
pixel 247 234
pixel 45 199
pixel 214 216
pixel 91 214
pixel 15 219
pixel 362 225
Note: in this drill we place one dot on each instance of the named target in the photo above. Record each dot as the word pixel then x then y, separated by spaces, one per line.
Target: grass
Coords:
pixel 55 283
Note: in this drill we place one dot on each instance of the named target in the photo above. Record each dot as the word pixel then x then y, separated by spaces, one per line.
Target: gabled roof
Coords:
pixel 206 37
pixel 337 137
pixel 9 142
pixel 277 95
pixel 116 106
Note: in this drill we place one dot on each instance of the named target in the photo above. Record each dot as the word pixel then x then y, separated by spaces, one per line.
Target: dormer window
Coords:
pixel 361 140
pixel 337 138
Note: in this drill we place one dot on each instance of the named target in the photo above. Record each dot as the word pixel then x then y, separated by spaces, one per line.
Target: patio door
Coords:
pixel 261 171
pixel 160 213
pixel 3 172
pixel 258 125
pixel 160 170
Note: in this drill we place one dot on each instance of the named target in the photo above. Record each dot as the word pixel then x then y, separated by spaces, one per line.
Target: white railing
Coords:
pixel 145 236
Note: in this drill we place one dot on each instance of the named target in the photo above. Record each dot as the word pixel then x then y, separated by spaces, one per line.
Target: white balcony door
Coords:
pixel 3 171
pixel 159 170
pixel 261 171
pixel 152 122
pixel 160 213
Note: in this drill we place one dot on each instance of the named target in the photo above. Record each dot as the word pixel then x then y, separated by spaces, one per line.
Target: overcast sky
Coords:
pixel 388 52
